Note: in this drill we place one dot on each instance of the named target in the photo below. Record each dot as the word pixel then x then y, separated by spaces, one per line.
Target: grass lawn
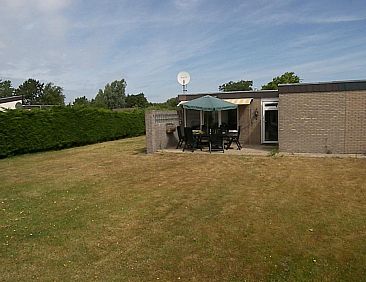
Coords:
pixel 110 212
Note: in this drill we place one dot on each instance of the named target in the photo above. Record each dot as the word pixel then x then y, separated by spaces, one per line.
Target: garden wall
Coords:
pixel 158 130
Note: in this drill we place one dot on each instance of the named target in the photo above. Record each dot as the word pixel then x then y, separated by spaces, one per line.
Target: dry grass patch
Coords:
pixel 109 211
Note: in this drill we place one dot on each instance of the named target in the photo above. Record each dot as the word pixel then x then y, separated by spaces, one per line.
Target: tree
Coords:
pixel 52 95
pixel 171 103
pixel 35 93
pixel 6 90
pixel 113 96
pixel 99 101
pixel 242 85
pixel 287 77
pixel 31 91
pixel 81 101
pixel 138 100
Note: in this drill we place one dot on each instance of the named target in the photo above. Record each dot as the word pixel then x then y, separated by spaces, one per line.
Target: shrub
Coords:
pixel 273 152
pixel 24 131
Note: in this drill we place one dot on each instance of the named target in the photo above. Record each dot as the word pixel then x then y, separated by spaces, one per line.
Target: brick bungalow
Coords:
pixel 325 117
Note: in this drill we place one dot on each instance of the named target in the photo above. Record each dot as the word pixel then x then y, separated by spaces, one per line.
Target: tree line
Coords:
pixel 113 96
pixel 34 92
pixel 247 85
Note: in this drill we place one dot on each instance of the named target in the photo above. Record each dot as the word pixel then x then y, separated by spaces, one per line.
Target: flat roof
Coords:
pixel 232 95
pixel 331 86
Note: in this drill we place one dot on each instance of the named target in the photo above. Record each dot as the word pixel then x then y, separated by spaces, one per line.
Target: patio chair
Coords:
pixel 180 136
pixel 203 140
pixel 216 141
pixel 225 130
pixel 235 139
pixel 189 140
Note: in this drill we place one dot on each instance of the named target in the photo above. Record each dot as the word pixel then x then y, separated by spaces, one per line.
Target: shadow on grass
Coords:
pixel 140 151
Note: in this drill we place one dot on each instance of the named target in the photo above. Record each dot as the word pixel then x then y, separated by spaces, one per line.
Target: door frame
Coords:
pixel 264 102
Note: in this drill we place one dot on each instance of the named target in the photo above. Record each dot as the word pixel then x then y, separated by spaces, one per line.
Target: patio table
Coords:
pixel 197 132
pixel 201 137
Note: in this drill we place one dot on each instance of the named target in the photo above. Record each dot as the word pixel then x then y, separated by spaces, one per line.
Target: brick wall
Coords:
pixel 322 122
pixel 355 138
pixel 157 137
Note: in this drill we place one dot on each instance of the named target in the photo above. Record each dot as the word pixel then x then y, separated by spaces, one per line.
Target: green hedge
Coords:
pixel 23 131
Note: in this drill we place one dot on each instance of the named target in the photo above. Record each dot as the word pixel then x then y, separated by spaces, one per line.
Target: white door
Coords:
pixel 269 121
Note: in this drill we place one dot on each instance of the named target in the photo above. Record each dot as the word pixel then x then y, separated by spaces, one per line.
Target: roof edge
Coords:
pixel 232 95
pixel 332 86
pixel 324 82
pixel 10 99
pixel 227 92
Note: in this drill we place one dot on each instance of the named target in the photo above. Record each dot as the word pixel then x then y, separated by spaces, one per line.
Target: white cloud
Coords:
pixel 41 5
pixel 82 45
pixel 186 4
pixel 51 5
pixel 335 19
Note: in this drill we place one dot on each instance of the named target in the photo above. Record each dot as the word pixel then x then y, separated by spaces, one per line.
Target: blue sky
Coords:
pixel 82 45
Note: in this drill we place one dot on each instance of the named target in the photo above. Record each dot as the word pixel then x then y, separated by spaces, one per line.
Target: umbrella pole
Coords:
pixel 237 118
pixel 185 117
pixel 201 120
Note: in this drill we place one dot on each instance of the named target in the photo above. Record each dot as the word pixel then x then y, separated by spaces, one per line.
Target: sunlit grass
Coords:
pixel 110 212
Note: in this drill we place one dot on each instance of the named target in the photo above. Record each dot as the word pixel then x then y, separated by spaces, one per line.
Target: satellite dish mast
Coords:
pixel 184 78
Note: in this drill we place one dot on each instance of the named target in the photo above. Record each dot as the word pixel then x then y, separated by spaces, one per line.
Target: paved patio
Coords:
pixel 250 150
pixel 263 150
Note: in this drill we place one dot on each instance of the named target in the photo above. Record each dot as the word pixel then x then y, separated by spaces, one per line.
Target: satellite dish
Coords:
pixel 183 78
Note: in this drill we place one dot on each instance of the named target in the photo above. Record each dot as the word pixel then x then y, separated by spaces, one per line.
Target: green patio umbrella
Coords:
pixel 209 104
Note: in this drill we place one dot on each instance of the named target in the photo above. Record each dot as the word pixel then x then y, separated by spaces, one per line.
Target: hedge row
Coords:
pixel 23 131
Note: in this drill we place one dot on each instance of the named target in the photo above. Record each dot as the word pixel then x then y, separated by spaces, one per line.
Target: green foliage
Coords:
pixel 287 77
pixel 274 152
pixel 100 100
pixel 24 131
pixel 52 95
pixel 81 101
pixel 36 93
pixel 136 101
pixel 242 85
pixel 6 89
pixel 31 91
pixel 170 104
pixel 113 96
